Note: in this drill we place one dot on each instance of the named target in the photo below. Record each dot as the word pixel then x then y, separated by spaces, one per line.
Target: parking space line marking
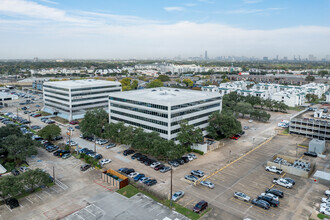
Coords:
pixel 205 178
pixel 279 178
pixel 188 203
pixel 89 212
pixel 39 196
pixel 27 198
pixel 52 188
pixel 79 216
pixel 9 209
pixel 46 192
pixel 240 202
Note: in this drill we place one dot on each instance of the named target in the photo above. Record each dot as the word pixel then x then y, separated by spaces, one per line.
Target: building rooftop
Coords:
pixel 81 83
pixel 165 96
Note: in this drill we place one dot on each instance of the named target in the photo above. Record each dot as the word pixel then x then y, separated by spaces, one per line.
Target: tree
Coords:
pixel 309 78
pixel 33 178
pixel 163 78
pixel 49 132
pixel 223 125
pixel 9 130
pixel 134 84
pixel 311 97
pixel 283 107
pixel 155 83
pixel 243 108
pixel 322 73
pixel 126 83
pixel 10 185
pixel 19 148
pixel 188 82
pixel 189 135
pixel 94 122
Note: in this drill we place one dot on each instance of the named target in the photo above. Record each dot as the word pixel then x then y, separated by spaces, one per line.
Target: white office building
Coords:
pixel 71 99
pixel 162 109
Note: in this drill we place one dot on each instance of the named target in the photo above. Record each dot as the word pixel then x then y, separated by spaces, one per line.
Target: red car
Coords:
pixel 36 115
pixel 74 122
pixel 235 137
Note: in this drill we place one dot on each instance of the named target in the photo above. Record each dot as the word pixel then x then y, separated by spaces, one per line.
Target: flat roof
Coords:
pixel 5 95
pixel 165 96
pixel 81 83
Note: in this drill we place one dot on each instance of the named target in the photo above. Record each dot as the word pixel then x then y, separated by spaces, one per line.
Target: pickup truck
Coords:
pixel 282 182
pixel 274 169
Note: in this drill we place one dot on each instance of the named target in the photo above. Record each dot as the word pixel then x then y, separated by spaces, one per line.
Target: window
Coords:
pixel 139 103
pixel 139 110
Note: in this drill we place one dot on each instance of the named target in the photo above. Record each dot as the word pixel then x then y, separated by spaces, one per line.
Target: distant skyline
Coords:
pixel 141 29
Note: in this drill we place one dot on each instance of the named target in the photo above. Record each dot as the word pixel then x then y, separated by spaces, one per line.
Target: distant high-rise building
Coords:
pixel 276 57
pixel 265 58
pixel 311 57
pixel 285 58
pixel 205 57
pixel 327 57
pixel 35 59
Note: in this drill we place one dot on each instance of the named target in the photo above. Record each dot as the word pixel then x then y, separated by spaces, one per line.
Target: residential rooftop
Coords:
pixel 81 83
pixel 165 96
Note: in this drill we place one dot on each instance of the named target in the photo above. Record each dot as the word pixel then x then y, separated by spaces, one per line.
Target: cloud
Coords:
pixel 207 1
pixel 173 8
pixel 252 1
pixel 49 2
pixel 190 4
pixel 252 11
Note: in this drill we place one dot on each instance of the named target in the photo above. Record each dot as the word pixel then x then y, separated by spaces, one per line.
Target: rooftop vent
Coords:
pixel 177 90
pixel 154 90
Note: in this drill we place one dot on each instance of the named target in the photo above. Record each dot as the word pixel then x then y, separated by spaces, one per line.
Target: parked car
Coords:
pixel 191 178
pixel 133 174
pixel 74 122
pixel 274 169
pixel 325 211
pixel 128 152
pixel 105 161
pixel 85 167
pixel 242 196
pixel 15 172
pixel 290 180
pixel 327 192
pixel 282 182
pixel 261 203
pixel 12 203
pixel 65 156
pixel 98 156
pixel 185 159
pixel 270 200
pixel 326 200
pixel 138 177
pixel 193 156
pixel 111 145
pixel 153 165
pixel 70 129
pixel 164 169
pixel 235 137
pixel 72 143
pixel 151 182
pixel 134 156
pixel 173 163
pixel 23 169
pixel 158 167
pixel 275 192
pixel 198 173
pixel 207 184
pixel 200 206
pixel 177 195
pixel 311 154
pixel 270 195
pixel 129 171
pixel 143 179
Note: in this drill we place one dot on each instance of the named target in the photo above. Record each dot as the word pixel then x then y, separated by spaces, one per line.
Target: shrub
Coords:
pixel 198 151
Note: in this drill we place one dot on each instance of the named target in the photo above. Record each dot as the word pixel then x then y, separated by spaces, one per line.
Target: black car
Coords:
pixel 148 162
pixel 151 182
pixel 311 154
pixel 128 171
pixel 180 161
pixel 134 156
pixel 85 167
pixel 290 180
pixel 15 172
pixel 185 159
pixel 128 152
pixel 260 203
pixel 12 203
pixel 57 153
pixel 270 200
pixel 275 192
pixel 158 167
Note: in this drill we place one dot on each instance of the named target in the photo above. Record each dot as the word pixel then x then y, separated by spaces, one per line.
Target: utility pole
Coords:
pixel 94 144
pixel 171 186
pixel 54 174
pixel 17 111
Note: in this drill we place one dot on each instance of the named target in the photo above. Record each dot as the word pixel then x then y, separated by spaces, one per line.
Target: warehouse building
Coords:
pixel 71 99
pixel 162 109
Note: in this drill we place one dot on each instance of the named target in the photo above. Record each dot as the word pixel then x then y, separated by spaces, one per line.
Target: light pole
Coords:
pixel 94 143
pixel 171 187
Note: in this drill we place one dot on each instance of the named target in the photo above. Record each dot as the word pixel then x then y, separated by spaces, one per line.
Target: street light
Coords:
pixel 171 187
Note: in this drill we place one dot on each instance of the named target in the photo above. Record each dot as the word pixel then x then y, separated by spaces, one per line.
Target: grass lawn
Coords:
pixel 130 191
pixel 44 113
pixel 296 108
pixel 322 216
pixel 60 120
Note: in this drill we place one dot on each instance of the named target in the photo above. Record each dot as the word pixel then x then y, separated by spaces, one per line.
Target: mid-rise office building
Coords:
pixel 71 99
pixel 162 109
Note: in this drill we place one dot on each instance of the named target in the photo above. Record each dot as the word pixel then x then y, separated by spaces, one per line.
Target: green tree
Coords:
pixel 155 83
pixel 309 78
pixel 126 84
pixel 243 108
pixel 322 73
pixel 134 84
pixel 94 122
pixel 9 130
pixel 189 135
pixel 10 185
pixel 311 97
pixel 50 131
pixel 188 82
pixel 223 125
pixel 19 148
pixel 163 78
pixel 33 178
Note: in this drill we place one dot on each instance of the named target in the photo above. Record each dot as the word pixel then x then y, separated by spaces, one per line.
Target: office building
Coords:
pixel 162 109
pixel 71 99
pixel 205 57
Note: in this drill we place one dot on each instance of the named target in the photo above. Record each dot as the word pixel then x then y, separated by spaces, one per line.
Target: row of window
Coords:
pixel 91 103
pixel 55 97
pixel 140 110
pixel 90 98
pixel 93 93
pixel 195 110
pixel 140 118
pixel 139 103
pixel 193 118
pixel 194 103
pixel 58 93
pixel 140 125
pixel 57 108
pixel 196 124
pixel 60 103
pixel 91 88
pixel 54 87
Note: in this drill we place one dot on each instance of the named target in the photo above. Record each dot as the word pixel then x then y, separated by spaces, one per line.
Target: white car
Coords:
pixel 270 195
pixel 207 184
pixel 326 200
pixel 325 205
pixel 178 195
pixel 242 196
pixel 193 156
pixel 105 161
pixel 327 192
pixel 134 174
pixel 154 164
pixel 282 182
pixel 274 169
pixel 73 143
pixel 70 129
pixel 325 210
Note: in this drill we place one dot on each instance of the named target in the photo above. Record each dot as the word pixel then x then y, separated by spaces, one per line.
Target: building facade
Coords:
pixel 162 109
pixel 71 99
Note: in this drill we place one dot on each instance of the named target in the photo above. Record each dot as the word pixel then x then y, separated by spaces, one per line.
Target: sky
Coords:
pixel 144 29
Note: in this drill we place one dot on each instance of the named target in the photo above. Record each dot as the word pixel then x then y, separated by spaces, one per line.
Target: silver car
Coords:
pixel 198 173
pixel 178 195
pixel 242 196
pixel 207 184
pixel 191 178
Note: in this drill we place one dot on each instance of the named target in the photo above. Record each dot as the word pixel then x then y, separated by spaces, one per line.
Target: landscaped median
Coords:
pixel 130 190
